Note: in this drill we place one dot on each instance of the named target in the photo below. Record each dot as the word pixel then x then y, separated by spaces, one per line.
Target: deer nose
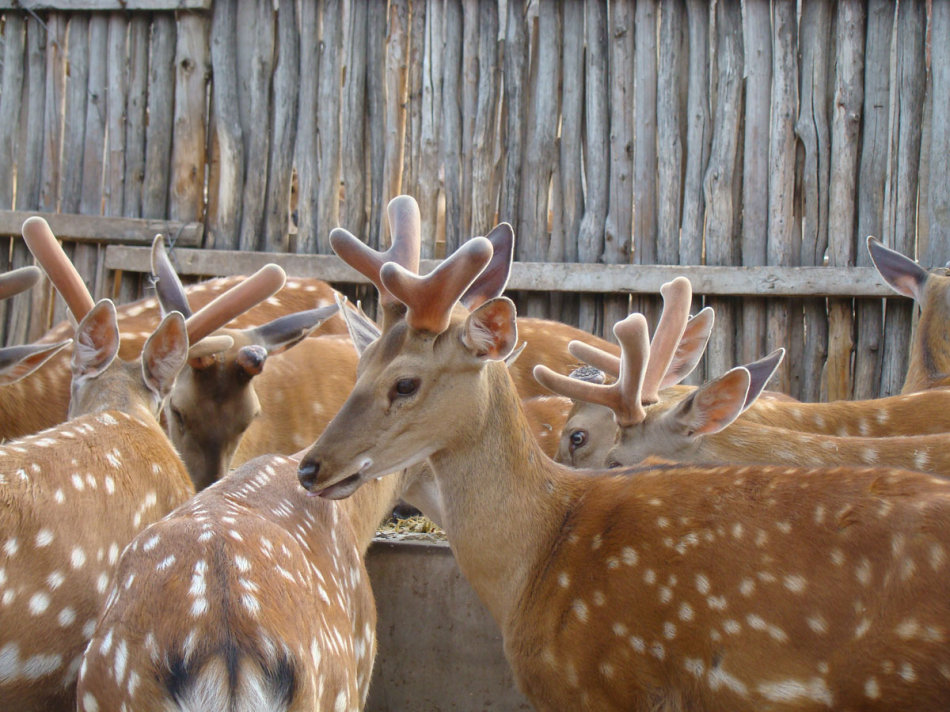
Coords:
pixel 307 472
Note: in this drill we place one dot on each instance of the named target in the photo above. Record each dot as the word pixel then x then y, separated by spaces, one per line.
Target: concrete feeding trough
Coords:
pixel 439 649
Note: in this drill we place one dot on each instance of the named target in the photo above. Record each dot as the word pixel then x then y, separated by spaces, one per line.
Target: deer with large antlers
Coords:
pixel 76 494
pixel 682 587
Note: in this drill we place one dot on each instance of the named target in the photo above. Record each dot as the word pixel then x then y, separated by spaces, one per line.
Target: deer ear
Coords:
pixel 759 374
pixel 164 354
pixel 280 334
pixel 363 330
pixel 491 331
pixel 168 287
pixel 97 341
pixel 714 405
pixel 18 362
pixel 493 279
pixel 903 274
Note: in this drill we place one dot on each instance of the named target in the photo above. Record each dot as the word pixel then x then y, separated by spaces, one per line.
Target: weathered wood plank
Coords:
pixel 192 67
pixel 871 176
pixel 645 133
pixel 377 228
pixel 845 131
pixel 256 42
pixel 813 130
pixel 453 35
pixel 721 191
pixel 161 105
pixel 757 44
pixel 397 88
pixel 618 226
pixel 11 88
pixel 900 187
pixel 77 5
pixel 936 251
pixel 671 94
pixel 95 228
pixel 767 281
pixel 590 237
pixel 515 70
pixel 328 126
pixel 227 137
pixel 135 116
pixel 75 129
pixel 782 228
pixel 485 158
pixel 355 203
pixel 471 32
pixel 283 129
pixel 431 129
pixel 93 167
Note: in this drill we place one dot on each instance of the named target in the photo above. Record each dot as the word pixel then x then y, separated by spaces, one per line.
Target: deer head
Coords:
pixel 214 401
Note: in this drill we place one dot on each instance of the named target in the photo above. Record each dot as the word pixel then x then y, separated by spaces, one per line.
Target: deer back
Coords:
pixel 199 610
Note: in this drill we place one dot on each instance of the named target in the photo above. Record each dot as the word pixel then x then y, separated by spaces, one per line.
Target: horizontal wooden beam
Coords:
pixel 101 229
pixel 80 5
pixel 547 277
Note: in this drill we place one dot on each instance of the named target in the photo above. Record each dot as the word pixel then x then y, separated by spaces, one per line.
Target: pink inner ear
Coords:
pixel 492 332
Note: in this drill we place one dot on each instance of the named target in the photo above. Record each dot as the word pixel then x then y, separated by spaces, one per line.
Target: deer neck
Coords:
pixel 929 361
pixel 502 504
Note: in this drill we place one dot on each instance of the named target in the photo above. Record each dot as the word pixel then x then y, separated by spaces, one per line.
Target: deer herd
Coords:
pixel 189 484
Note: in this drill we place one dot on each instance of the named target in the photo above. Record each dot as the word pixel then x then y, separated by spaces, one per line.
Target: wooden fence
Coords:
pixel 751 146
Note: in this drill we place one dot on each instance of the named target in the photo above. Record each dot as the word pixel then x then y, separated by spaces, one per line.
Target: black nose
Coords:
pixel 307 472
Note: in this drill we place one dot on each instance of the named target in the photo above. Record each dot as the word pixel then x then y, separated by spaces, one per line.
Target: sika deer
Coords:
pixel 76 494
pixel 668 586
pixel 42 399
pixel 929 365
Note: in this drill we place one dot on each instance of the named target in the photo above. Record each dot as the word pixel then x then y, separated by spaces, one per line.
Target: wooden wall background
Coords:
pixel 728 139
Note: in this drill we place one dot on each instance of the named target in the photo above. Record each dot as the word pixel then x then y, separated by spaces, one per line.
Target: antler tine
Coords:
pixel 404 222
pixel 631 333
pixel 167 282
pixel 64 276
pixel 676 300
pixel 593 356
pixel 430 299
pixel 622 396
pixel 579 390
pixel 259 286
pixel 18 280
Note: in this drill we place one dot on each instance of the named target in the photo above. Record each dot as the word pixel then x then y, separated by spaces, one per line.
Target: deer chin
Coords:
pixel 347 486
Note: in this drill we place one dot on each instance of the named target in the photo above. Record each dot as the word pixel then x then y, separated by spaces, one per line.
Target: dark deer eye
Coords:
pixel 404 387
pixel 578 439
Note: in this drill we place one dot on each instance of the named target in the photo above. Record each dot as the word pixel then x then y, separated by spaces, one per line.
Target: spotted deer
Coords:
pixel 682 587
pixel 41 400
pixel 929 363
pixel 74 495
pixel 18 362
pixel 705 425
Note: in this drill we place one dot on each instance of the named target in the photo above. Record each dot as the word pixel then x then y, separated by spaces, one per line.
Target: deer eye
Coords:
pixel 404 387
pixel 578 438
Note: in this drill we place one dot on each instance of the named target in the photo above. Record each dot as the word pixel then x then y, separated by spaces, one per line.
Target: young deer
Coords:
pixel 682 587
pixel 42 399
pixel 929 365
pixel 75 495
